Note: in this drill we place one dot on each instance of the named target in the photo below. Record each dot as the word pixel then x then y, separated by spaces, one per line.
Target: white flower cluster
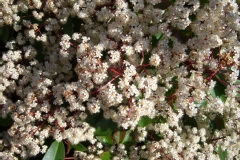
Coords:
pixel 73 59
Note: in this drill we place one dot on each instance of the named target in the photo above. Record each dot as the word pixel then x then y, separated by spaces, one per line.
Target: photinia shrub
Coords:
pixel 119 79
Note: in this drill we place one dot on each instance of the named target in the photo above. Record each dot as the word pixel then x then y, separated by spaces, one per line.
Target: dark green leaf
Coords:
pixel 174 87
pixel 170 43
pixel 106 156
pixel 40 56
pixel 77 23
pixel 127 137
pixel 159 119
pixel 79 147
pixel 187 32
pixel 107 140
pixel 55 152
pixel 203 3
pixel 218 90
pixel 160 135
pixel 223 98
pixel 193 17
pixel 93 119
pixel 217 123
pixel 222 154
pixel 153 71
pixel 144 121
pixel 5 33
pixel 7 121
pixel 68 27
pixel 140 96
pixel 156 39
pixel 104 127
pixel 189 121
pixel 122 136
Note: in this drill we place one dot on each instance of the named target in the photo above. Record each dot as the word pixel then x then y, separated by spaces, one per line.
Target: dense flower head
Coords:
pixel 172 64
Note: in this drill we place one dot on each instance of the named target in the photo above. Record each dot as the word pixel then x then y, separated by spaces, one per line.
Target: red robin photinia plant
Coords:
pixel 119 79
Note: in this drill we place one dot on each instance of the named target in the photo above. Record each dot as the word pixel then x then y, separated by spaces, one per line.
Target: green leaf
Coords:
pixel 68 27
pixel 122 136
pixel 153 71
pixel 156 39
pixel 172 90
pixel 107 140
pixel 5 33
pixel 106 156
pixel 55 152
pixel 237 82
pixel 189 121
pixel 199 104
pixel 104 127
pixel 160 136
pixel 203 3
pixel 159 36
pixel 140 96
pixel 79 147
pixel 140 15
pixel 187 32
pixel 222 154
pixel 223 98
pixel 127 137
pixel 144 121
pixel 170 43
pixel 217 123
pixel 7 121
pixel 93 119
pixel 159 119
pixel 218 90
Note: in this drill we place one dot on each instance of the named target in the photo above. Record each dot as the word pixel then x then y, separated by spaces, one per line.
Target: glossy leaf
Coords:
pixel 122 136
pixel 156 39
pixel 55 152
pixel 104 127
pixel 144 121
pixel 127 137
pixel 222 154
pixel 218 90
pixel 159 36
pixel 79 147
pixel 107 140
pixel 223 98
pixel 106 156
pixel 92 120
